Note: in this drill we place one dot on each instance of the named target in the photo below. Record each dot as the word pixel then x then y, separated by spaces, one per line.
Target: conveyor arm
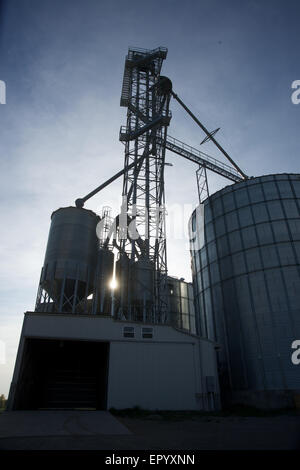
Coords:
pixel 80 202
pixel 211 137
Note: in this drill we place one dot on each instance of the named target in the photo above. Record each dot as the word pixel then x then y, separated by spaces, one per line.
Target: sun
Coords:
pixel 113 284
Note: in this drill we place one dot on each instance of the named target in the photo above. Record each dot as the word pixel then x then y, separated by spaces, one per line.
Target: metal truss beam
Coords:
pixel 210 163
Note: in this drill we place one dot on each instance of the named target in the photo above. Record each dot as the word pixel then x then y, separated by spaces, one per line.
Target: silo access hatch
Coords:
pixel 63 374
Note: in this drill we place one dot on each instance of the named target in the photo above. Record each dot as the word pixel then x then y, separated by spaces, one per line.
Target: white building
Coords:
pixel 90 361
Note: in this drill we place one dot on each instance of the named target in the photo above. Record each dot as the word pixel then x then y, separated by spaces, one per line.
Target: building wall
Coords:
pixel 165 376
pixel 167 371
pixel 246 277
pixel 153 375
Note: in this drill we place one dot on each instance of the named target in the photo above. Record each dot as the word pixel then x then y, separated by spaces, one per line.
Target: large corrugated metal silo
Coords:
pixel 245 248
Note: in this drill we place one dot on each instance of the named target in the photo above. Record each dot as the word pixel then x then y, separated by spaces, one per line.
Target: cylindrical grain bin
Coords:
pixel 68 274
pixel 104 275
pixel 245 247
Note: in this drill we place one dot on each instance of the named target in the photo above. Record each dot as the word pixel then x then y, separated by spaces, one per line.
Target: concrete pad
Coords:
pixel 82 431
pixel 59 423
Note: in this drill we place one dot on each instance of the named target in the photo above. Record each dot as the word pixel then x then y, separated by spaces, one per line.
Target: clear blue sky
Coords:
pixel 232 62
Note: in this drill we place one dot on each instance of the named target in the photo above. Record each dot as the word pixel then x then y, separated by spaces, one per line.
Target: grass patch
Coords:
pixel 251 411
pixel 234 411
pixel 135 412
pixel 3 404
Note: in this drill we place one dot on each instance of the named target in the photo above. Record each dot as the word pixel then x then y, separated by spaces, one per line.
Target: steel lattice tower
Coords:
pixel 146 97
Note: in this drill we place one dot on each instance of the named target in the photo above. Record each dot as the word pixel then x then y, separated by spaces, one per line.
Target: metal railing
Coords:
pixel 202 158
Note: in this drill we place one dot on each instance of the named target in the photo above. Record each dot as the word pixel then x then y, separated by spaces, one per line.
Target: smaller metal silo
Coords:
pixel 104 274
pixel 121 295
pixel 135 292
pixel 174 301
pixel 68 274
pixel 142 289
pixel 181 304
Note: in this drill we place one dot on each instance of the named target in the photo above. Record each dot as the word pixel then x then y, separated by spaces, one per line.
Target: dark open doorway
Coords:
pixel 63 374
